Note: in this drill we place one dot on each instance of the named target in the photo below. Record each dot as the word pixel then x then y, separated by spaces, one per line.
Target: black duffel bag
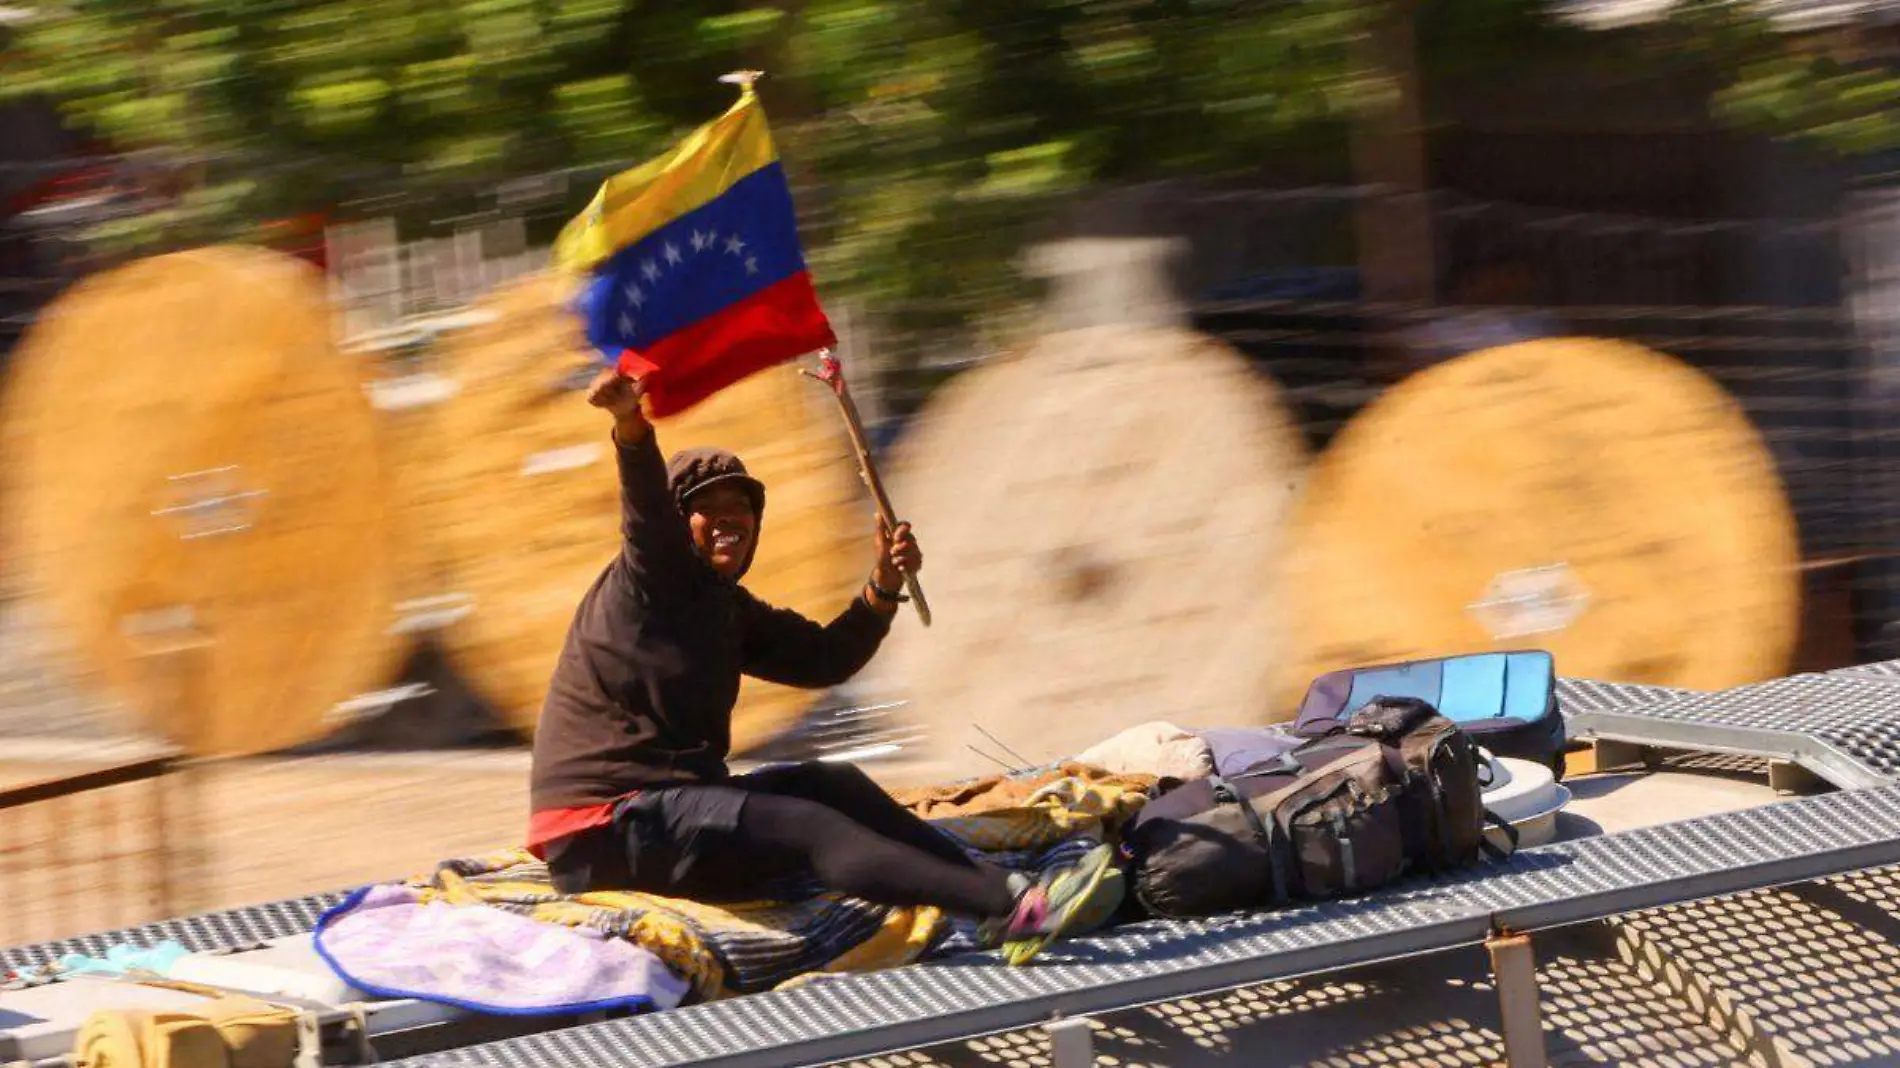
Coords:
pixel 1396 789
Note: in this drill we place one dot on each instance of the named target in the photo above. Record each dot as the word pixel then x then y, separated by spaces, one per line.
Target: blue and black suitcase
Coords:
pixel 1506 702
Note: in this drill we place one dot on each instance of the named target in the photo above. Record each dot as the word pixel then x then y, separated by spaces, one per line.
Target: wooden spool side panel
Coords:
pixel 1100 515
pixel 526 501
pixel 326 571
pixel 166 384
pixel 1576 475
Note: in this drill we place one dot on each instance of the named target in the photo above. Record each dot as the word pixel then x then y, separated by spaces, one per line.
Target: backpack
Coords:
pixel 1506 702
pixel 1393 790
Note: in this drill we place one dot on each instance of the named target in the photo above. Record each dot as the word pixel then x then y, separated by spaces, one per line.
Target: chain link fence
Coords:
pixel 1788 314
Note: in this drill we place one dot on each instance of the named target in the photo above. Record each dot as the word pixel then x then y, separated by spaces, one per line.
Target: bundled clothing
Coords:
pixel 1157 748
pixel 992 793
pixel 796 927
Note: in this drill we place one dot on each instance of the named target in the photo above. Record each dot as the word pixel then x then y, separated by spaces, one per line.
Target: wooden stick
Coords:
pixel 831 373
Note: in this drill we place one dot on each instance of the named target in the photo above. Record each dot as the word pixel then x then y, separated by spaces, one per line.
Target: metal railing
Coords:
pixel 108 846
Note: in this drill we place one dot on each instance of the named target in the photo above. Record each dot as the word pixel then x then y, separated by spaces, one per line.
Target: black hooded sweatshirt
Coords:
pixel 643 692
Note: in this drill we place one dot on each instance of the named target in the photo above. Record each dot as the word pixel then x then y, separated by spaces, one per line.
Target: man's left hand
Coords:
pixel 897 556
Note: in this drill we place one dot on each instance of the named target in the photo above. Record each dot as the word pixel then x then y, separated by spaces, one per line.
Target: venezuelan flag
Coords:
pixel 693 273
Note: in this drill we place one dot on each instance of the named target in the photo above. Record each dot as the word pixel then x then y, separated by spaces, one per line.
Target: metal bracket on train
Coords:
pixel 1514 972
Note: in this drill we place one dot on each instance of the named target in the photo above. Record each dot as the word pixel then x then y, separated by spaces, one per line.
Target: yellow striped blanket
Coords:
pixel 740 949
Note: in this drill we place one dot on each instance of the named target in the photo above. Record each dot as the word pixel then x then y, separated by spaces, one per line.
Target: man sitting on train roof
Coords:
pixel 630 787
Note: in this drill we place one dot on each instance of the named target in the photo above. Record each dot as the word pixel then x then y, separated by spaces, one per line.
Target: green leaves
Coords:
pixel 740 29
pixel 953 129
pixel 931 136
pixel 1837 90
pixel 340 104
pixel 300 104
pixel 603 117
pixel 1853 110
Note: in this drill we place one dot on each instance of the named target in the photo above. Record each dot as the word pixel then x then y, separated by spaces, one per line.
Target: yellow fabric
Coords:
pixel 255 1034
pixel 670 928
pixel 1063 808
pixel 113 1038
pixel 974 796
pixel 659 929
pixel 684 934
pixel 905 935
pixel 634 203
pixel 227 1032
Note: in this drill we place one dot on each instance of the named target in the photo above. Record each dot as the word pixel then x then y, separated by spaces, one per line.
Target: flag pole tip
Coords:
pixel 742 78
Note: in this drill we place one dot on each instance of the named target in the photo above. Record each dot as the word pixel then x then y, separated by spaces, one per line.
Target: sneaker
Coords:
pixel 1103 904
pixel 1065 901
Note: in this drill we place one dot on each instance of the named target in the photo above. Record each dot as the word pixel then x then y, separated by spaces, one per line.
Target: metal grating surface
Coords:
pixel 1436 1012
pixel 863 1015
pixel 210 931
pixel 1403 922
pixel 1807 969
pixel 255 923
pixel 1590 695
pixel 1842 726
pixel 1883 669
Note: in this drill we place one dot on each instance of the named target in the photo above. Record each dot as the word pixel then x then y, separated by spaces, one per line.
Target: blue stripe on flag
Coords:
pixel 696 266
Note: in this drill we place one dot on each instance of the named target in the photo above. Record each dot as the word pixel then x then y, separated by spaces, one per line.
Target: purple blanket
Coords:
pixel 384 941
pixel 1236 749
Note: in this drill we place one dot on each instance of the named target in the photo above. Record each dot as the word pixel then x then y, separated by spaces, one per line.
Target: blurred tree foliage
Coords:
pixel 285 106
pixel 947 130
pixel 927 134
pixel 1837 88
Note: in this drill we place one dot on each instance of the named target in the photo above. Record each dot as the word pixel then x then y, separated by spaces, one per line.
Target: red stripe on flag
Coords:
pixel 781 322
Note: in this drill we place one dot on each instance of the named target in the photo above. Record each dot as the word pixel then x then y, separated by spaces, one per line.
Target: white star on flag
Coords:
pixel 626 323
pixel 672 252
pixel 700 241
pixel 651 270
pixel 734 245
pixel 752 265
pixel 633 294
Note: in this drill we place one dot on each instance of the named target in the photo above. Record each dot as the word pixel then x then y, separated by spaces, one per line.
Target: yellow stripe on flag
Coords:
pixel 637 202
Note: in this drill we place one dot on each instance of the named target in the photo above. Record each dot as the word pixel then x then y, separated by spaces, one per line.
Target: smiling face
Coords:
pixel 724 527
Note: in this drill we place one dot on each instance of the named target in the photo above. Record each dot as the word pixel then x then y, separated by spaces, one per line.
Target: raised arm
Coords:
pixel 654 538
pixel 785 647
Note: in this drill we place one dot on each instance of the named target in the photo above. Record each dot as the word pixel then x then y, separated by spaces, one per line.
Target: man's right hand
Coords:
pixel 616 394
pixel 619 396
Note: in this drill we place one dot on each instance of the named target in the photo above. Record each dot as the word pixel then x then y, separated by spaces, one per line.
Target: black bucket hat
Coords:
pixel 692 470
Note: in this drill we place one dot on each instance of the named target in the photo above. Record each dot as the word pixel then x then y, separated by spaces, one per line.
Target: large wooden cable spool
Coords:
pixel 190 462
pixel 524 500
pixel 1589 497
pixel 411 396
pixel 1100 515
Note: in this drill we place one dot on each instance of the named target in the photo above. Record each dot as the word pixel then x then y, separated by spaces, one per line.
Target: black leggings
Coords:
pixel 861 842
pixel 718 842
